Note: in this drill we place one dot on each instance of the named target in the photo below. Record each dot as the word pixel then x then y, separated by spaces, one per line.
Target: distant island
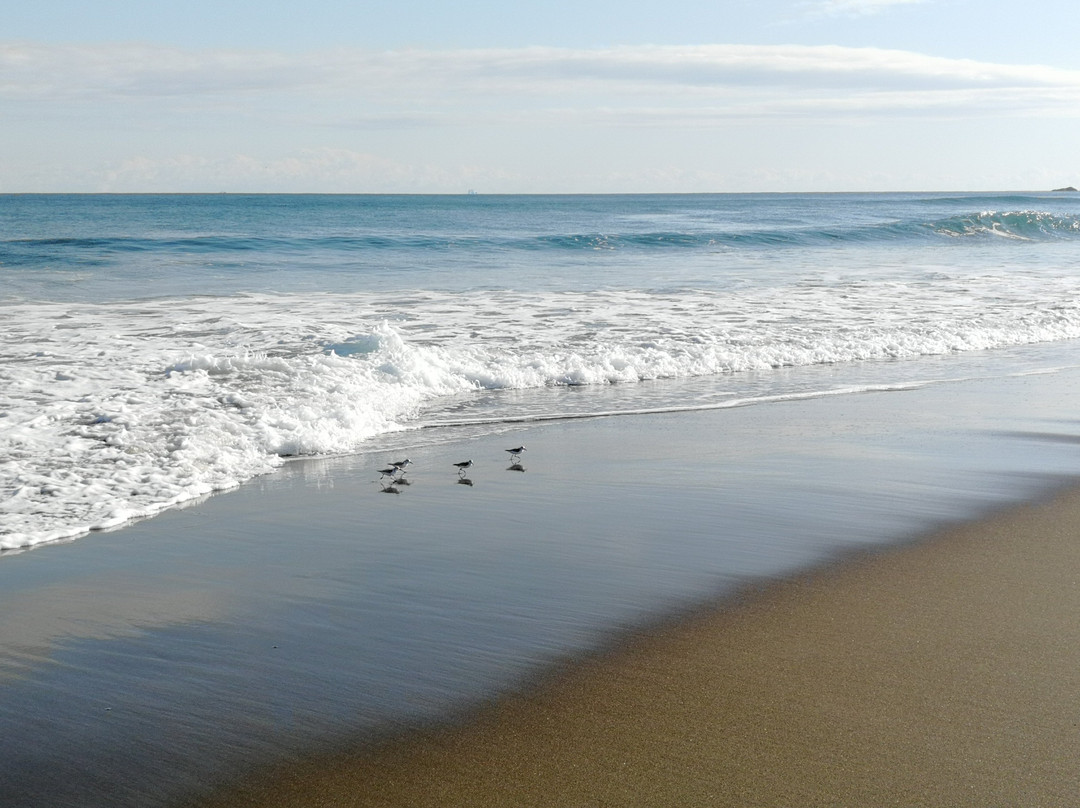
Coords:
pixel 1070 188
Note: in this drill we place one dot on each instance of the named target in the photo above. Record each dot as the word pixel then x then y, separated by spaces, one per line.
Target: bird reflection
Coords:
pixel 464 481
pixel 389 489
pixel 515 467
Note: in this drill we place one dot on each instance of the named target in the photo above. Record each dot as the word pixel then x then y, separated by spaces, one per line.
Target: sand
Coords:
pixel 942 673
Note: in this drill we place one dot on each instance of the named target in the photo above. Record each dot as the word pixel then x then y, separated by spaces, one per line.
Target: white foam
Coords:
pixel 115 411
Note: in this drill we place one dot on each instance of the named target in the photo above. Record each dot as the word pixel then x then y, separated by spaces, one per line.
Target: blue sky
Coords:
pixel 415 96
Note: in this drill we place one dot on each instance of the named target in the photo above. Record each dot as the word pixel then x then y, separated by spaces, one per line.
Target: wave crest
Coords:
pixel 1024 225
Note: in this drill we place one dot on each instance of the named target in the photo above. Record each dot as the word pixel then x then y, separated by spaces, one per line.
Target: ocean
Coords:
pixel 157 348
pixel 203 572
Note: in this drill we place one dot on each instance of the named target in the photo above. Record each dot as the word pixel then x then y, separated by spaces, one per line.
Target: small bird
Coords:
pixel 516 452
pixel 463 465
pixel 401 464
pixel 389 472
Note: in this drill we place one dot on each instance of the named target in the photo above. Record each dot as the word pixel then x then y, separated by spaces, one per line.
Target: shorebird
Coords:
pixel 401 464
pixel 515 452
pixel 463 465
pixel 390 472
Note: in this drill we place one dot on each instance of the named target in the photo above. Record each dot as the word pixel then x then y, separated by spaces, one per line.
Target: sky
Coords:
pixel 592 96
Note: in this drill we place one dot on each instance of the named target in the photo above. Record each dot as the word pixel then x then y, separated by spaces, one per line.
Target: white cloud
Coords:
pixel 96 71
pixel 420 80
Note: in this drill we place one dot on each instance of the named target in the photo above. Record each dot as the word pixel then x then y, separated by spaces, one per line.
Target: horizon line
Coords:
pixel 1065 189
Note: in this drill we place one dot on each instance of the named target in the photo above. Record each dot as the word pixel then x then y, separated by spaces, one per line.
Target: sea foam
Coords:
pixel 114 411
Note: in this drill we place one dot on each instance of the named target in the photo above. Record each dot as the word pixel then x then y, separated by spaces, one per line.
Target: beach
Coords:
pixel 750 605
pixel 943 673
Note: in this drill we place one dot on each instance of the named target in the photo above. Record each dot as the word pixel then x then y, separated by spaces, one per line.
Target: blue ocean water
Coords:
pixel 156 348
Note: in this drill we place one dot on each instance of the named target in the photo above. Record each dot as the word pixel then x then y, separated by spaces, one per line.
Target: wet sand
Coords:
pixel 942 673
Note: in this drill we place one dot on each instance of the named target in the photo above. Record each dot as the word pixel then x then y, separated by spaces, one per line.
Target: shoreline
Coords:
pixel 308 613
pixel 941 672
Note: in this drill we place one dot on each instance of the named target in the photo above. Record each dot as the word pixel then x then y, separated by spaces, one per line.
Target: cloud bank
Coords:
pixel 731 79
pixel 130 117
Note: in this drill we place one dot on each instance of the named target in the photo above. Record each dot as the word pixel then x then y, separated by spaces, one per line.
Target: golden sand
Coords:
pixel 942 673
